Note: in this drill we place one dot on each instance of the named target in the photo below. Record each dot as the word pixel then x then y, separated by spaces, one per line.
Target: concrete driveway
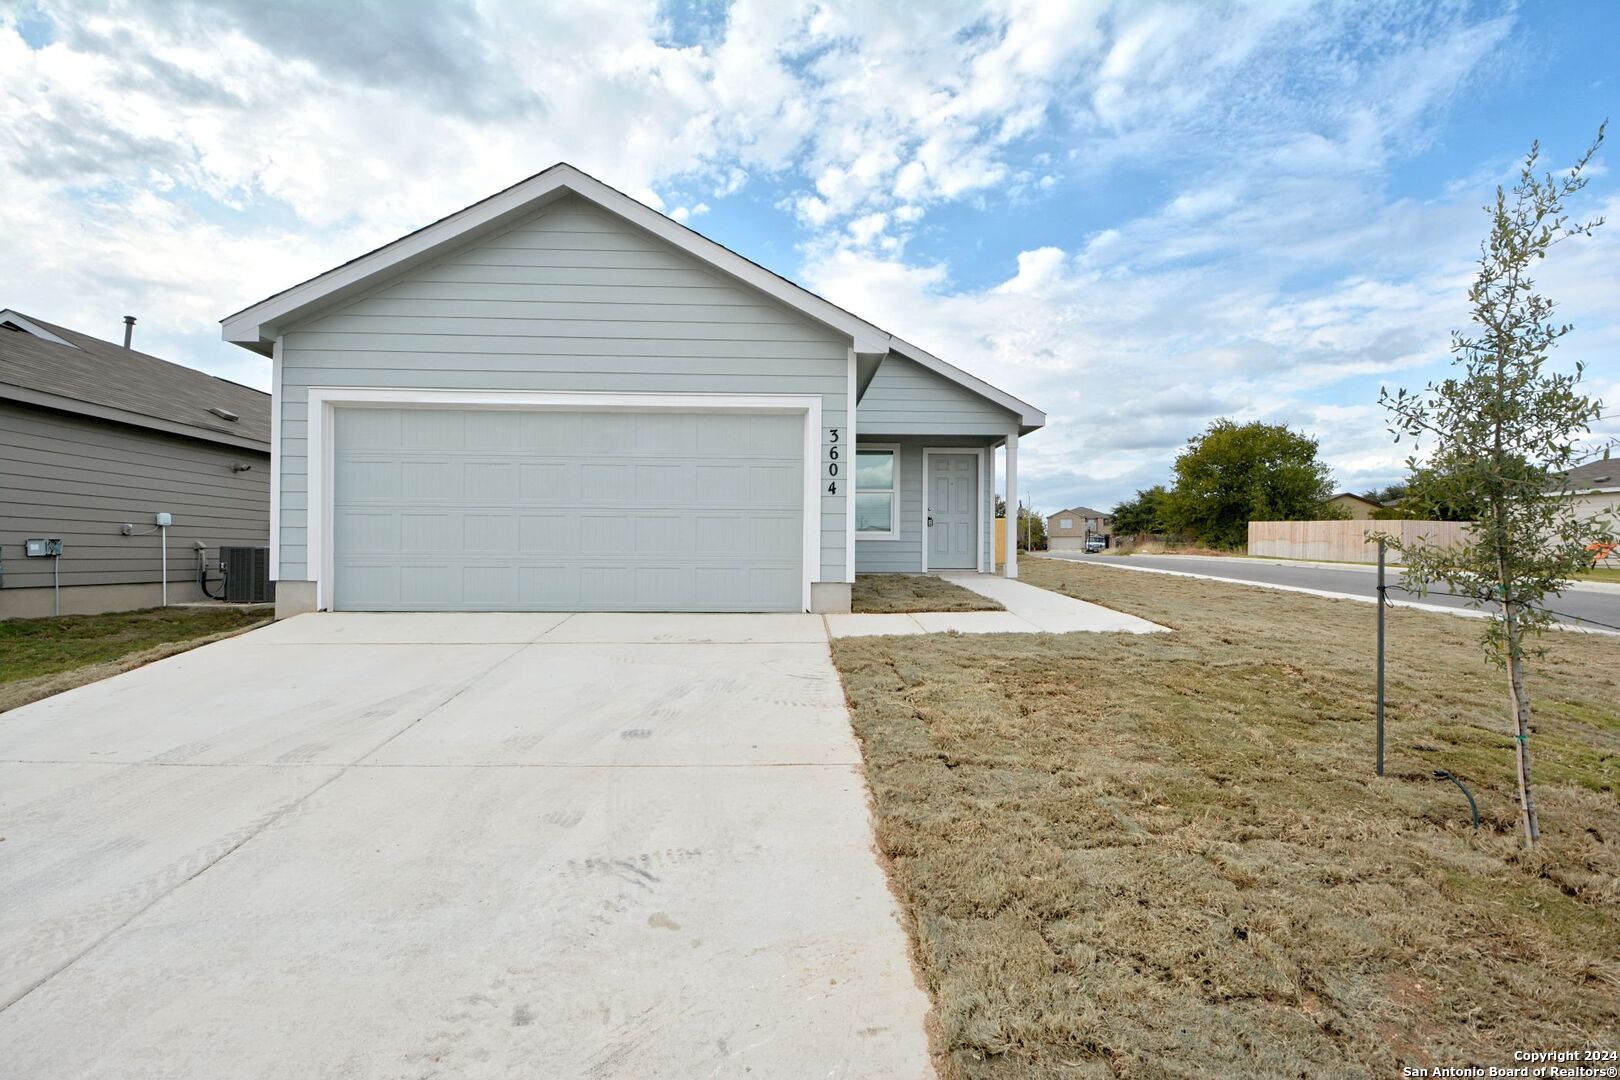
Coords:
pixel 452 845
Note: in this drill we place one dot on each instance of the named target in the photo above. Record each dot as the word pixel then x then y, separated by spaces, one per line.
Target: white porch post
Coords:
pixel 1012 505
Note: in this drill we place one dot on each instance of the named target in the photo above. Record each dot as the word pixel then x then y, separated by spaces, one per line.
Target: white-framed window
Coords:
pixel 877 488
pixel 1066 523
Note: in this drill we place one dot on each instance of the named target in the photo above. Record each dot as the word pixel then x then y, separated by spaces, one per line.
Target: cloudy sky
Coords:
pixel 1138 216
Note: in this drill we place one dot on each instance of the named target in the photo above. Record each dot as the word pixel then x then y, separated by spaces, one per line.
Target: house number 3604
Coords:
pixel 833 464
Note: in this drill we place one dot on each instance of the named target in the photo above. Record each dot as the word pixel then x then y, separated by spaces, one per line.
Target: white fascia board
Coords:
pixel 254 327
pixel 7 315
pixel 1029 417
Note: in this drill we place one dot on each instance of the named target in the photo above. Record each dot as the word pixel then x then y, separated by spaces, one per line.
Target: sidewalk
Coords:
pixel 1029 610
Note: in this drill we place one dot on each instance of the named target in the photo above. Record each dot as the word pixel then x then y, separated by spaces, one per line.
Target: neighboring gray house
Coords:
pixel 559 399
pixel 1067 530
pixel 95 436
pixel 1594 491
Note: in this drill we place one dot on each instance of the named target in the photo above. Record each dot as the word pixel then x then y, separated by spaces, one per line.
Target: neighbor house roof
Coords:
pixel 256 327
pixel 1600 475
pixel 1081 511
pixel 49 365
pixel 1358 498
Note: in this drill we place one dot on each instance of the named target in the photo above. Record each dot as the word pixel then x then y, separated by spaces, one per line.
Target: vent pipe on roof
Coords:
pixel 129 329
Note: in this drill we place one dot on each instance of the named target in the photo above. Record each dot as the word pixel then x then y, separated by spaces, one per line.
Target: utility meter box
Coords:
pixel 43 548
pixel 164 520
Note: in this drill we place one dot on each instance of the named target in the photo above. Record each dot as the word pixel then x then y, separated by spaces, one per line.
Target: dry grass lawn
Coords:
pixel 898 594
pixel 1166 855
pixel 41 657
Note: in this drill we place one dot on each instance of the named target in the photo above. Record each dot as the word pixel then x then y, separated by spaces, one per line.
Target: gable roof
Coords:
pixel 1082 512
pixel 256 327
pixel 1358 498
pixel 1600 475
pixel 49 365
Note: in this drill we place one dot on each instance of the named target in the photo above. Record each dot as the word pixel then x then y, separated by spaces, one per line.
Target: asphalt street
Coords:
pixel 1596 608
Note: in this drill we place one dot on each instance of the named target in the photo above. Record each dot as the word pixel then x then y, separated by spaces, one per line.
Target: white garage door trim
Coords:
pixel 324 401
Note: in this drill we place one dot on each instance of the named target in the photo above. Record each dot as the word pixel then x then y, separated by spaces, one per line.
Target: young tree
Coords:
pixel 1507 429
pixel 1236 473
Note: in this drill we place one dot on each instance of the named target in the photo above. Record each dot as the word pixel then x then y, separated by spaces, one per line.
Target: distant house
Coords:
pixel 1067 530
pixel 1360 509
pixel 97 440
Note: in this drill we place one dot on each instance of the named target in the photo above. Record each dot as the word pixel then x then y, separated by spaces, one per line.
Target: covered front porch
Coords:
pixel 927 503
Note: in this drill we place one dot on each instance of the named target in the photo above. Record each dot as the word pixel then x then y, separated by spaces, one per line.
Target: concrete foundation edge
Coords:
pixel 294 598
pixel 831 597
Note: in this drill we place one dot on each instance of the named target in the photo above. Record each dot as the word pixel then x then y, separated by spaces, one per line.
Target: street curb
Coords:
pixel 1464 612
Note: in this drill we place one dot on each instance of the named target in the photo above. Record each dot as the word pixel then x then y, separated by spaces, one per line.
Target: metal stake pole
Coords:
pixel 1381 588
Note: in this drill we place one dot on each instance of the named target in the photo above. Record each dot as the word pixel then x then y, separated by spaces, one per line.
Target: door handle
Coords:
pixel 930 521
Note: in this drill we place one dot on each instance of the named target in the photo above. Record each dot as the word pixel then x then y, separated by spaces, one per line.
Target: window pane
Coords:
pixel 874 511
pixel 874 469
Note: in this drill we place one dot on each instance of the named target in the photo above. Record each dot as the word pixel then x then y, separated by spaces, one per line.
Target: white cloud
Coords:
pixel 180 159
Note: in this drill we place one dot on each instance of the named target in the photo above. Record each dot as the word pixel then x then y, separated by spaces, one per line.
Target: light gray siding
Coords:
pixel 569 299
pixel 906 398
pixel 78 478
pixel 904 554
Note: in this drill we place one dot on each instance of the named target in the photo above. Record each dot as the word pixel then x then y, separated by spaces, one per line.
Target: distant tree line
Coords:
pixel 1230 475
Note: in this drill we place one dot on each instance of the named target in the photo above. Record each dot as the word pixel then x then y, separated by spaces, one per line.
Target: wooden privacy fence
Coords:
pixel 1345 541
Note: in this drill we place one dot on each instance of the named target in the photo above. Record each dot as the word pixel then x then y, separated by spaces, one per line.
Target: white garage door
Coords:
pixel 509 510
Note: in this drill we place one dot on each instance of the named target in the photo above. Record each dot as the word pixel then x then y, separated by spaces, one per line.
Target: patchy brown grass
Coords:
pixel 896 594
pixel 1166 855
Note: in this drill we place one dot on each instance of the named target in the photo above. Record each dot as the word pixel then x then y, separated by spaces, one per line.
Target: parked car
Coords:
pixel 1095 544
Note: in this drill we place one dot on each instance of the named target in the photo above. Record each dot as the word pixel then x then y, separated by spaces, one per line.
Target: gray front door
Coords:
pixel 953 501
pixel 440 509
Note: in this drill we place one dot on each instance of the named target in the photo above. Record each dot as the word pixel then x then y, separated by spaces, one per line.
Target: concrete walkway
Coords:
pixel 452 845
pixel 1029 610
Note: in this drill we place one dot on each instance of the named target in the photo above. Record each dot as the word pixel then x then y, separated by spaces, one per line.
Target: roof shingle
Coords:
pixel 100 373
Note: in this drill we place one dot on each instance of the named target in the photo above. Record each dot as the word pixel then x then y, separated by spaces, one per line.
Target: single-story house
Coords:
pixel 559 399
pixel 1067 530
pixel 97 440
pixel 1358 508
pixel 1595 491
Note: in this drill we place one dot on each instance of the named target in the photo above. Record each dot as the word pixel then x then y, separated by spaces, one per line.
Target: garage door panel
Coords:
pixel 382 478
pixel 602 483
pixel 431 429
pixel 533 510
pixel 666 433
pixel 427 585
pixel 420 478
pixel 772 485
pixel 424 533
pixel 664 484
pixel 663 534
pixel 489 533
pixel 494 429
pixel 549 534
pixel 371 429
pixel 548 588
pixel 548 431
